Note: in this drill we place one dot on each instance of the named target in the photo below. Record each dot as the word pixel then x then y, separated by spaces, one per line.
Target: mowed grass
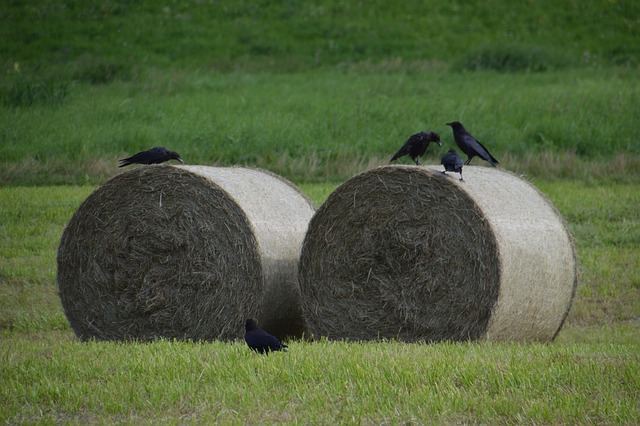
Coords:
pixel 318 383
pixel 590 374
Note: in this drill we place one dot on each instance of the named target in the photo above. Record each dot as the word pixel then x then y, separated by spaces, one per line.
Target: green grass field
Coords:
pixel 316 92
pixel 590 374
pixel 576 124
pixel 64 381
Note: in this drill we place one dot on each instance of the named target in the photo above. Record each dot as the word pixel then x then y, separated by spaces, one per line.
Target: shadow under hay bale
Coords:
pixel 185 252
pixel 408 253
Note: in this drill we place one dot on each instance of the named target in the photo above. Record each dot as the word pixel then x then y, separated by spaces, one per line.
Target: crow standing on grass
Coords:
pixel 452 163
pixel 470 145
pixel 259 340
pixel 416 145
pixel 155 155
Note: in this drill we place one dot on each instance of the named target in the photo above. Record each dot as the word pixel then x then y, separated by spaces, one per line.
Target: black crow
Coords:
pixel 155 155
pixel 259 340
pixel 452 163
pixel 416 145
pixel 470 145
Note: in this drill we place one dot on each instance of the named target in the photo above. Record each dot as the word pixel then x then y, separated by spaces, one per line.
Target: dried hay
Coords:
pixel 405 252
pixel 185 252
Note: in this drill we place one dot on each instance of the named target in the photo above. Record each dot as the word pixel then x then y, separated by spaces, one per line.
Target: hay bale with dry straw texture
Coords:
pixel 184 252
pixel 408 253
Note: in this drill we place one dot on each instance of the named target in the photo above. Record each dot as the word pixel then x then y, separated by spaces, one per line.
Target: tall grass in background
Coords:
pixel 115 39
pixel 315 90
pixel 320 126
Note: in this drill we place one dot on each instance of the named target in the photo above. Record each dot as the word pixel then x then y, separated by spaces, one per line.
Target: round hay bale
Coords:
pixel 185 252
pixel 408 253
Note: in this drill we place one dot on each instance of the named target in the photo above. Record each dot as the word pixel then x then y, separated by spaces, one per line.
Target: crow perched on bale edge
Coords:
pixel 416 145
pixel 155 155
pixel 452 163
pixel 470 145
pixel 259 340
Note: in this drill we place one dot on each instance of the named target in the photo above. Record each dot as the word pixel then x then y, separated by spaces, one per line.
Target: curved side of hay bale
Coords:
pixel 405 252
pixel 279 213
pixel 539 273
pixel 179 252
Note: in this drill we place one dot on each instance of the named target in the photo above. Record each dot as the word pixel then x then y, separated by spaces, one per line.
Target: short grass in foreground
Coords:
pixel 323 382
pixel 589 375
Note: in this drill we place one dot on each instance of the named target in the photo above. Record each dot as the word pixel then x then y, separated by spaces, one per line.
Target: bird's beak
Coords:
pixel 449 124
pixel 439 144
pixel 180 160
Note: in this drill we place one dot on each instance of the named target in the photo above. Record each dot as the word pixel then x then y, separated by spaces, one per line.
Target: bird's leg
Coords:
pixel 468 161
pixel 417 162
pixel 461 176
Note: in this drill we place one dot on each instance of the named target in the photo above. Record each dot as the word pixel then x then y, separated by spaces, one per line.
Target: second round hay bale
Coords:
pixel 184 252
pixel 408 253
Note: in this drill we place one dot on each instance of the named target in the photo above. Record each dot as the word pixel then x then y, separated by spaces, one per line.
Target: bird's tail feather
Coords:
pixel 396 156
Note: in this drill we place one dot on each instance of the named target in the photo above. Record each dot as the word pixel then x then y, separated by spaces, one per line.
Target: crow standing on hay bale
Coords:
pixel 452 163
pixel 417 145
pixel 259 340
pixel 470 145
pixel 155 155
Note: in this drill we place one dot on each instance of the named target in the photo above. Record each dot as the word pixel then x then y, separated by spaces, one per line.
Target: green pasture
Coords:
pixel 57 380
pixel 99 41
pixel 317 91
pixel 319 126
pixel 590 374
